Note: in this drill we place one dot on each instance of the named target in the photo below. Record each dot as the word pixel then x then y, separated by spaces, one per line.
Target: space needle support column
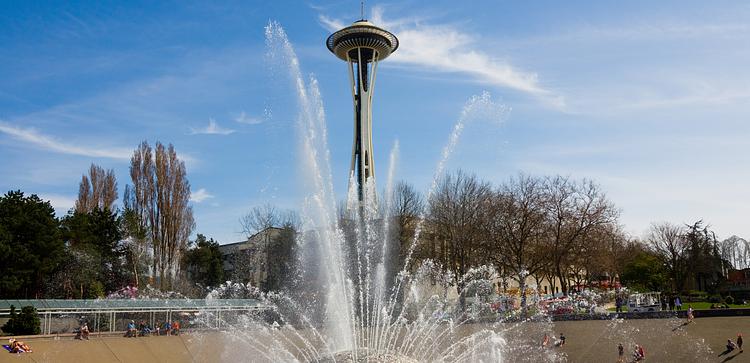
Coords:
pixel 362 163
pixel 362 45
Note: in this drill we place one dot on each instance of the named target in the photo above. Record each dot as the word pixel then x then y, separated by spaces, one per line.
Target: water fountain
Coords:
pixel 347 307
pixel 352 313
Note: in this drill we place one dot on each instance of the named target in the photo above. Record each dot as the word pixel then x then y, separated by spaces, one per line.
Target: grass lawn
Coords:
pixel 702 305
pixel 707 305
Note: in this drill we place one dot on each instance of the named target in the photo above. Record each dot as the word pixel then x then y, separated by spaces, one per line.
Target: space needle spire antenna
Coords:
pixel 362 45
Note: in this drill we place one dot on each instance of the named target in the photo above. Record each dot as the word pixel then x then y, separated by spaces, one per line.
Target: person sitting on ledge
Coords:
pixel 167 328
pixel 145 329
pixel 84 332
pixel 176 327
pixel 132 332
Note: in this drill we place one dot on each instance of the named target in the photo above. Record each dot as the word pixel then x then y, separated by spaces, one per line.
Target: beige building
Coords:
pixel 247 261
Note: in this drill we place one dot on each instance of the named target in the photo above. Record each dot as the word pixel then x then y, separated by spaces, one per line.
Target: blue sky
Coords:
pixel 649 99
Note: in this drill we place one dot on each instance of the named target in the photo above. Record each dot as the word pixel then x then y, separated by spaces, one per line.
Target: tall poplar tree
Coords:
pixel 162 194
pixel 98 190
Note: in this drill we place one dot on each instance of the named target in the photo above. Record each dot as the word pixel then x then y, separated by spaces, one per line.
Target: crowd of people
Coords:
pixel 143 329
pixel 133 330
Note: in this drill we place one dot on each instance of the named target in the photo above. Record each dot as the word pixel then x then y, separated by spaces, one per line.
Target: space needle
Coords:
pixel 362 45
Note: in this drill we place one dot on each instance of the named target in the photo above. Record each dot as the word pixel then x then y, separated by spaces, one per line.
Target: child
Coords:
pixel 561 342
pixel 639 354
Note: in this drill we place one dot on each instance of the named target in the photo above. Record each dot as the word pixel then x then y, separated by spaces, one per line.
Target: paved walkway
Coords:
pixel 665 340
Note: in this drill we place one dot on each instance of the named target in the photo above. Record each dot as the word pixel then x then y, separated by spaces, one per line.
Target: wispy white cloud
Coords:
pixel 243 118
pixel 330 23
pixel 686 100
pixel 443 48
pixel 61 203
pixel 213 128
pixel 654 31
pixel 34 138
pixel 200 195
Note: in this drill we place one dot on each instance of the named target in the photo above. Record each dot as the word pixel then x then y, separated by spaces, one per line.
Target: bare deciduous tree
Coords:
pixel 136 234
pixel 162 195
pixel 278 249
pixel 260 218
pixel 97 190
pixel 615 251
pixel 669 243
pixel 406 207
pixel 515 229
pixel 574 210
pixel 455 210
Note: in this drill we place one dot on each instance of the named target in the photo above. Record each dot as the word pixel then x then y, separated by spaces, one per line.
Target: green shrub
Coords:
pixel 697 295
pixel 729 300
pixel 25 323
pixel 96 290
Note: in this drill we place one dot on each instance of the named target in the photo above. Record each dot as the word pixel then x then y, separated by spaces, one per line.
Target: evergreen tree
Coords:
pixel 25 323
pixel 203 262
pixel 98 234
pixel 30 245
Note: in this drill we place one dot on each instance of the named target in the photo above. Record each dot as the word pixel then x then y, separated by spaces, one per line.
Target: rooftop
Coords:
pixel 48 305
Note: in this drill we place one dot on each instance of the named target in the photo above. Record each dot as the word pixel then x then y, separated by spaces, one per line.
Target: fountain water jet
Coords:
pixel 363 318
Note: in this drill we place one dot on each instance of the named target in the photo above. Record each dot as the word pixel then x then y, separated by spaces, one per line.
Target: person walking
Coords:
pixel 739 341
pixel 677 303
pixel 620 353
